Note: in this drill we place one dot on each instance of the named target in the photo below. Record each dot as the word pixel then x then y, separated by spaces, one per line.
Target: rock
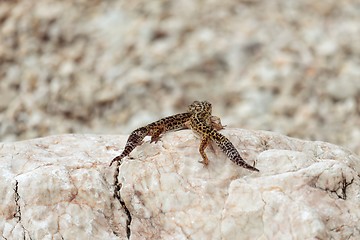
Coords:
pixel 343 89
pixel 61 187
pixel 58 187
pixel 104 67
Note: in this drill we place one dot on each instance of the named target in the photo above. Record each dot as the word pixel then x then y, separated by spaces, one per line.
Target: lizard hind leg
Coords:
pixel 215 122
pixel 204 143
pixel 155 134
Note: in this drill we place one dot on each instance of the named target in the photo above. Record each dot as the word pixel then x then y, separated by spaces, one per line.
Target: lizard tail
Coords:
pixel 228 148
pixel 134 140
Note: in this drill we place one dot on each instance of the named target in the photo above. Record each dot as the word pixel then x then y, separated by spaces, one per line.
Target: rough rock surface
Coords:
pixel 60 187
pixel 94 66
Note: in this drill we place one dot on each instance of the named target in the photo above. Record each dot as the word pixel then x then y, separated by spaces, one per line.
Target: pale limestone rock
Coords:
pixel 60 187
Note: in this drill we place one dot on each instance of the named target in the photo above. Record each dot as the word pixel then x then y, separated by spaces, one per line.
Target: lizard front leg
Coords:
pixel 204 143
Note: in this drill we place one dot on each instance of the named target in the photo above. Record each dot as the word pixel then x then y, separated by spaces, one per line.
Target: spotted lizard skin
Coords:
pixel 200 123
pixel 155 129
pixel 200 120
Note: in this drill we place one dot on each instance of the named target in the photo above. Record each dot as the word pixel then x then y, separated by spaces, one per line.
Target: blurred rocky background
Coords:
pixel 108 67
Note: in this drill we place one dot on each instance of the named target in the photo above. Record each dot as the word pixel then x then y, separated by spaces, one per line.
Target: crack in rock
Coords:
pixel 117 195
pixel 17 213
pixel 343 185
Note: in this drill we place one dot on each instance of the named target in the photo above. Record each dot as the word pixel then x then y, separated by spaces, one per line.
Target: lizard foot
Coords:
pixel 116 159
pixel 205 163
pixel 154 139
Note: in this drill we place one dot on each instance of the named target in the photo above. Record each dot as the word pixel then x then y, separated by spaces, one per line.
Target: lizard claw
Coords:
pixel 205 164
pixel 116 159
pixel 111 163
pixel 154 140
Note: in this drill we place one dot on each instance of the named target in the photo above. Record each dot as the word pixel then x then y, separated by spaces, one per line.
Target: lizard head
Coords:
pixel 200 107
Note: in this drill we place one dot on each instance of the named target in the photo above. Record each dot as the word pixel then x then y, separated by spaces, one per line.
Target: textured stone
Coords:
pixel 61 187
pixel 110 66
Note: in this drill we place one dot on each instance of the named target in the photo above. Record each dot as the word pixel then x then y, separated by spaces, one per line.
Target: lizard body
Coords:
pixel 200 120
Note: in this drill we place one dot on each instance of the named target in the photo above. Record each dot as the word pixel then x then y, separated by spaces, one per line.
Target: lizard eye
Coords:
pixel 194 106
pixel 199 106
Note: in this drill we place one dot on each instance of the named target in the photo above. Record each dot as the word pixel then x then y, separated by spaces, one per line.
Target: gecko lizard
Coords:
pixel 199 119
